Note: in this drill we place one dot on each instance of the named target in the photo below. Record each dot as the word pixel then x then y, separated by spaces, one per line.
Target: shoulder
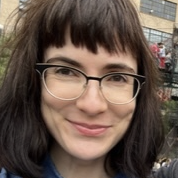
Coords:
pixel 168 172
pixel 5 174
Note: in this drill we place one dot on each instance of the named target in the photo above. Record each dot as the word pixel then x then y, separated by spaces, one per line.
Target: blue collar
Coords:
pixel 51 171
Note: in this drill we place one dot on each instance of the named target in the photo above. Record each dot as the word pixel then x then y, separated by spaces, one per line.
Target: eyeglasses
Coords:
pixel 67 83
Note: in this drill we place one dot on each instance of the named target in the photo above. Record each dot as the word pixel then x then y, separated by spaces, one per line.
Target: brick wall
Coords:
pixel 6 7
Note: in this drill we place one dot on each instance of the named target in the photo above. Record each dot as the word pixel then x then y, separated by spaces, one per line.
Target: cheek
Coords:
pixel 128 112
pixel 51 108
pixel 125 112
pixel 122 119
pixel 51 111
pixel 50 103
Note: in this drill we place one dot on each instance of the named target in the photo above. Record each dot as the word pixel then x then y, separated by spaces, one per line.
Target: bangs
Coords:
pixel 109 23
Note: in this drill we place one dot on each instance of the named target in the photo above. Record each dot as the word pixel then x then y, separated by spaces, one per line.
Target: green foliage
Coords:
pixel 170 114
pixel 170 120
pixel 3 62
pixel 4 56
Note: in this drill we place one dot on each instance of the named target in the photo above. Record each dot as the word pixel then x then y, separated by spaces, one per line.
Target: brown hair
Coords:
pixel 113 24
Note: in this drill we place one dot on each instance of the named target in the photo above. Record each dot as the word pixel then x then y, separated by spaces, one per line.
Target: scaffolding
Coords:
pixel 170 85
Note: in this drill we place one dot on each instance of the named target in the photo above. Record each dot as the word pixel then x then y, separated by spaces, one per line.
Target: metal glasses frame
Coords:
pixel 41 67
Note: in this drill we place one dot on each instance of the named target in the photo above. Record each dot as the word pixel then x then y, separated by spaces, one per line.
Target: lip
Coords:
pixel 89 130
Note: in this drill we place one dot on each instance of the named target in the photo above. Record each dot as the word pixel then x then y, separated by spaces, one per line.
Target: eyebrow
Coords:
pixel 122 67
pixel 65 60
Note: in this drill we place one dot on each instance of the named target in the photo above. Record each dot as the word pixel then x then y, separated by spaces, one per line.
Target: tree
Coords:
pixel 170 121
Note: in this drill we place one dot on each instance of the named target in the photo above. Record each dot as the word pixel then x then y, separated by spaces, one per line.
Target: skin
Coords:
pixel 79 149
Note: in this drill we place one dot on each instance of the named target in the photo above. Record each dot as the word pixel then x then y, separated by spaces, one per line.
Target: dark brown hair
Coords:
pixel 113 24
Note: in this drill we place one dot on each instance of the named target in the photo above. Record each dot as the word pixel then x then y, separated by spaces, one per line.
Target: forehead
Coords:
pixel 90 62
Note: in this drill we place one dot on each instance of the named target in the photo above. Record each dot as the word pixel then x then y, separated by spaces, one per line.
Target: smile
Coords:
pixel 89 130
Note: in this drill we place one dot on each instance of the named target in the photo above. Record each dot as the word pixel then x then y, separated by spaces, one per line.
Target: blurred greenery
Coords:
pixel 4 56
pixel 170 121
pixel 170 114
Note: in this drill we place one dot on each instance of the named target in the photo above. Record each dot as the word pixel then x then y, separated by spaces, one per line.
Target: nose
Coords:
pixel 92 101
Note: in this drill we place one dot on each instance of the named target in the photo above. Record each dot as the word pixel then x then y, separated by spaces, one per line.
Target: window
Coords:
pixel 159 8
pixel 21 4
pixel 155 36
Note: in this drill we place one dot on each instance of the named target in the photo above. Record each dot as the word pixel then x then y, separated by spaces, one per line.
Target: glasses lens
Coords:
pixel 67 84
pixel 119 88
pixel 63 82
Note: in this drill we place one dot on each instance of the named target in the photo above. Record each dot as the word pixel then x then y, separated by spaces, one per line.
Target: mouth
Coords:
pixel 89 130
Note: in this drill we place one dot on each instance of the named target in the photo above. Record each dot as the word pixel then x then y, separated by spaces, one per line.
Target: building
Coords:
pixel 158 18
pixel 6 8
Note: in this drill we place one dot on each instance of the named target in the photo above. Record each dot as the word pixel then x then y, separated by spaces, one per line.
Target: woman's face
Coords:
pixel 88 127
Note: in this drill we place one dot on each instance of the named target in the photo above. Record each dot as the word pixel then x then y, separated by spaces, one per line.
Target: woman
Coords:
pixel 79 96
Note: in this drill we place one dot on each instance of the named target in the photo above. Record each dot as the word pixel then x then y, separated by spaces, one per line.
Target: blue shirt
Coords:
pixel 49 171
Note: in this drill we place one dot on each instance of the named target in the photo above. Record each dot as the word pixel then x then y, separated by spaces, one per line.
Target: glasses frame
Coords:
pixel 41 67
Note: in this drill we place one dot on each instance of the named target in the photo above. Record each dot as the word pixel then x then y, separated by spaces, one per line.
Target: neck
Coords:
pixel 70 166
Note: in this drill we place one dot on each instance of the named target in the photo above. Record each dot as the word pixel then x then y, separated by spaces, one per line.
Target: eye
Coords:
pixel 117 78
pixel 65 71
